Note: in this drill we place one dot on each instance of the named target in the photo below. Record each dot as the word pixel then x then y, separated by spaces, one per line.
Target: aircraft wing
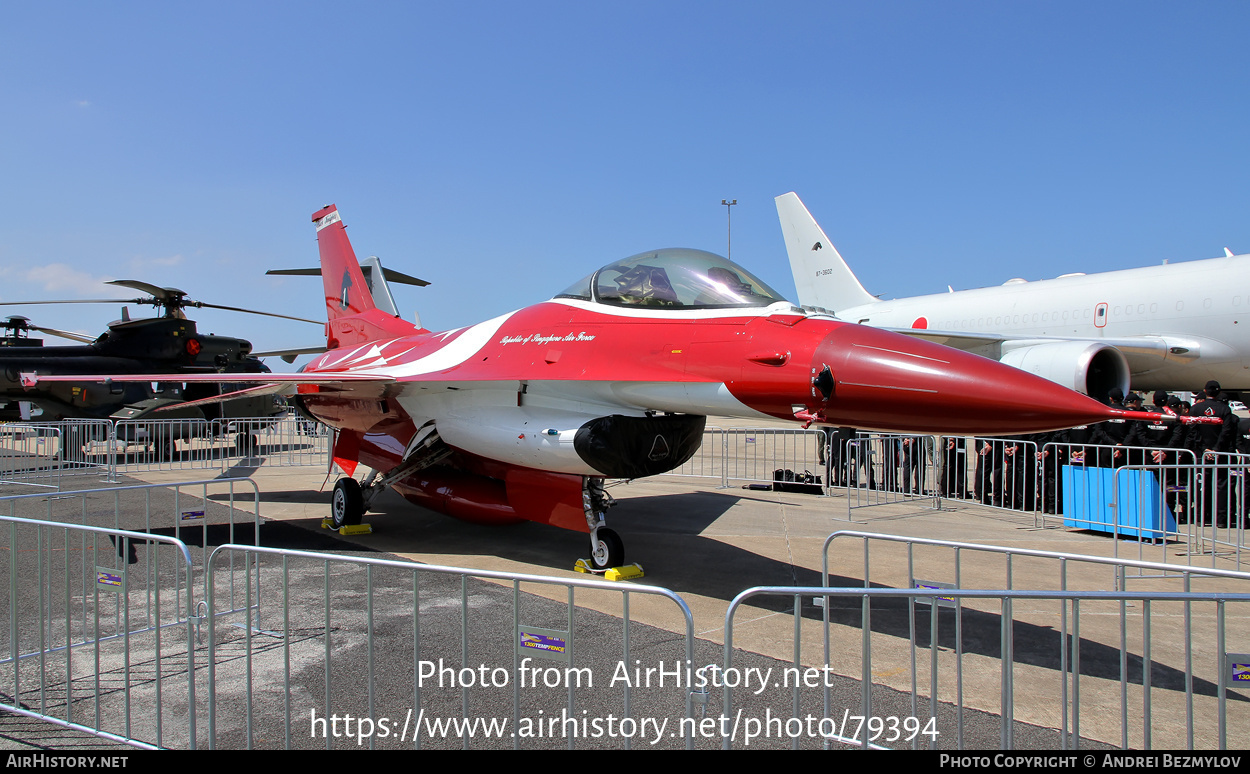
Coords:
pixel 312 381
pixel 250 392
pixel 1142 352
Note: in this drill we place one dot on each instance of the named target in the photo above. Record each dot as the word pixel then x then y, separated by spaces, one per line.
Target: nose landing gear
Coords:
pixel 607 550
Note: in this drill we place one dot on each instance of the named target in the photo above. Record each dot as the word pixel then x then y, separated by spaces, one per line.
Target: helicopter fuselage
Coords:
pixel 160 345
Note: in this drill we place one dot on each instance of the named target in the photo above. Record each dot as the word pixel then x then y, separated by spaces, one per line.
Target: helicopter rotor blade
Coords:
pixel 289 355
pixel 147 287
pixel 83 301
pixel 172 299
pixel 62 334
pixel 205 305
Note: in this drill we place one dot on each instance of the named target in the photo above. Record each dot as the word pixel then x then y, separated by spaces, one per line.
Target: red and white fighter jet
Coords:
pixel 522 417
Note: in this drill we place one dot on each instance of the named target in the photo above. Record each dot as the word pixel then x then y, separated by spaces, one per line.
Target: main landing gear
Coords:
pixel 348 506
pixel 352 498
pixel 607 550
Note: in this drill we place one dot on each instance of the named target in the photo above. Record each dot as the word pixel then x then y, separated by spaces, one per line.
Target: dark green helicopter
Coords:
pixel 166 344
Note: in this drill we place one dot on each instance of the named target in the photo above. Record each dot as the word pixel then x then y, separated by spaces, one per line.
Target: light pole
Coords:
pixel 729 227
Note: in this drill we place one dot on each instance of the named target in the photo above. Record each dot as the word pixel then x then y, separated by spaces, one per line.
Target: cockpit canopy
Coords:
pixel 674 278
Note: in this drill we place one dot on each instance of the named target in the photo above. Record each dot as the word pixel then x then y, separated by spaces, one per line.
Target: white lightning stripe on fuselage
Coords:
pixel 455 353
pixel 477 336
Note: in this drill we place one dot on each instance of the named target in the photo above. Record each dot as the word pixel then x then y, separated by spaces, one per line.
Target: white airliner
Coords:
pixel 1169 327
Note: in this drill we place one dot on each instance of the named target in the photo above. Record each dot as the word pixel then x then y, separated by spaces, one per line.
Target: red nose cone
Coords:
pixel 888 381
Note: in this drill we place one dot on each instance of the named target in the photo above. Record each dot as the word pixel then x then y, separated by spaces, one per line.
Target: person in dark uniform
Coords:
pixel 955 468
pixel 1170 453
pixel 1207 440
pixel 1136 439
pixel 1111 433
pixel 1243 471
pixel 1019 474
pixel 858 455
pixel 891 460
pixel 1159 402
pixel 1050 454
pixel 829 455
pixel 988 483
pixel 913 464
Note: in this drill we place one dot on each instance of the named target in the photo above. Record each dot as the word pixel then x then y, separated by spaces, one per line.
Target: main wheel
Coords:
pixel 246 444
pixel 163 449
pixel 348 505
pixel 607 550
pixel 73 447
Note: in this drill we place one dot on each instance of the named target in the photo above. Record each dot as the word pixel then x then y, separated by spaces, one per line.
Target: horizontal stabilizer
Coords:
pixel 390 275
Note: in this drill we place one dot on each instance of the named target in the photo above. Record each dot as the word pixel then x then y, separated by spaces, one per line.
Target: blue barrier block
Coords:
pixel 1087 498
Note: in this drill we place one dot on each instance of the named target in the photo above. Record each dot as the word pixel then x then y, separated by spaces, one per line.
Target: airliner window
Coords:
pixel 675 278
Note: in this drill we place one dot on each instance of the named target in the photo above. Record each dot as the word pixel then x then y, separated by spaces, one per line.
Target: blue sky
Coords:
pixel 504 150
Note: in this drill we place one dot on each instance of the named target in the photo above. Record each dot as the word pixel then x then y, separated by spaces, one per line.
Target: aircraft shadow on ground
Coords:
pixel 676 556
pixel 273 534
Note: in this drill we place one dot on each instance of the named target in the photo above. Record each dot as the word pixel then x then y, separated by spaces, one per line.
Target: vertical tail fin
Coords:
pixel 347 293
pixel 353 317
pixel 822 278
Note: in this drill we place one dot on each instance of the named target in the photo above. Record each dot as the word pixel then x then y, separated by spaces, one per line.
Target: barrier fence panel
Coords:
pixel 30 455
pixel 1078 478
pixel 98 631
pixel 1116 675
pixel 709 461
pixel 272 441
pixel 891 561
pixel 164 444
pixel 42 454
pixel 1224 507
pixel 198 514
pixel 1202 503
pixel 764 455
pixel 429 656
pixel 1000 473
pixel 882 469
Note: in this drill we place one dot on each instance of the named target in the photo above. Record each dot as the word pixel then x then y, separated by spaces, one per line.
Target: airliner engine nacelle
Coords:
pixel 1087 367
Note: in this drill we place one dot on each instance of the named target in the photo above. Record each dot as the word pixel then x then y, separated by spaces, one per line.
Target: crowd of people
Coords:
pixel 1023 472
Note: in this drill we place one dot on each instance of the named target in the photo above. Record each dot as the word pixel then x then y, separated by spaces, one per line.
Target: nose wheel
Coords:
pixel 606 549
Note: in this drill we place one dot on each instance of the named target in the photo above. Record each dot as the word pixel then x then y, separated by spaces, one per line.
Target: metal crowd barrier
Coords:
pixel 761 455
pixel 531 669
pixel 885 468
pixel 186 511
pixel 1127 666
pixel 286 442
pixel 1079 574
pixel 1070 462
pixel 996 472
pixel 709 461
pixel 42 454
pixel 99 631
pixel 355 636
pixel 1071 572
pixel 1202 504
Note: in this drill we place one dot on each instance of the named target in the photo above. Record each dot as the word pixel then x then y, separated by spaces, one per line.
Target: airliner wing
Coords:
pixel 1142 352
